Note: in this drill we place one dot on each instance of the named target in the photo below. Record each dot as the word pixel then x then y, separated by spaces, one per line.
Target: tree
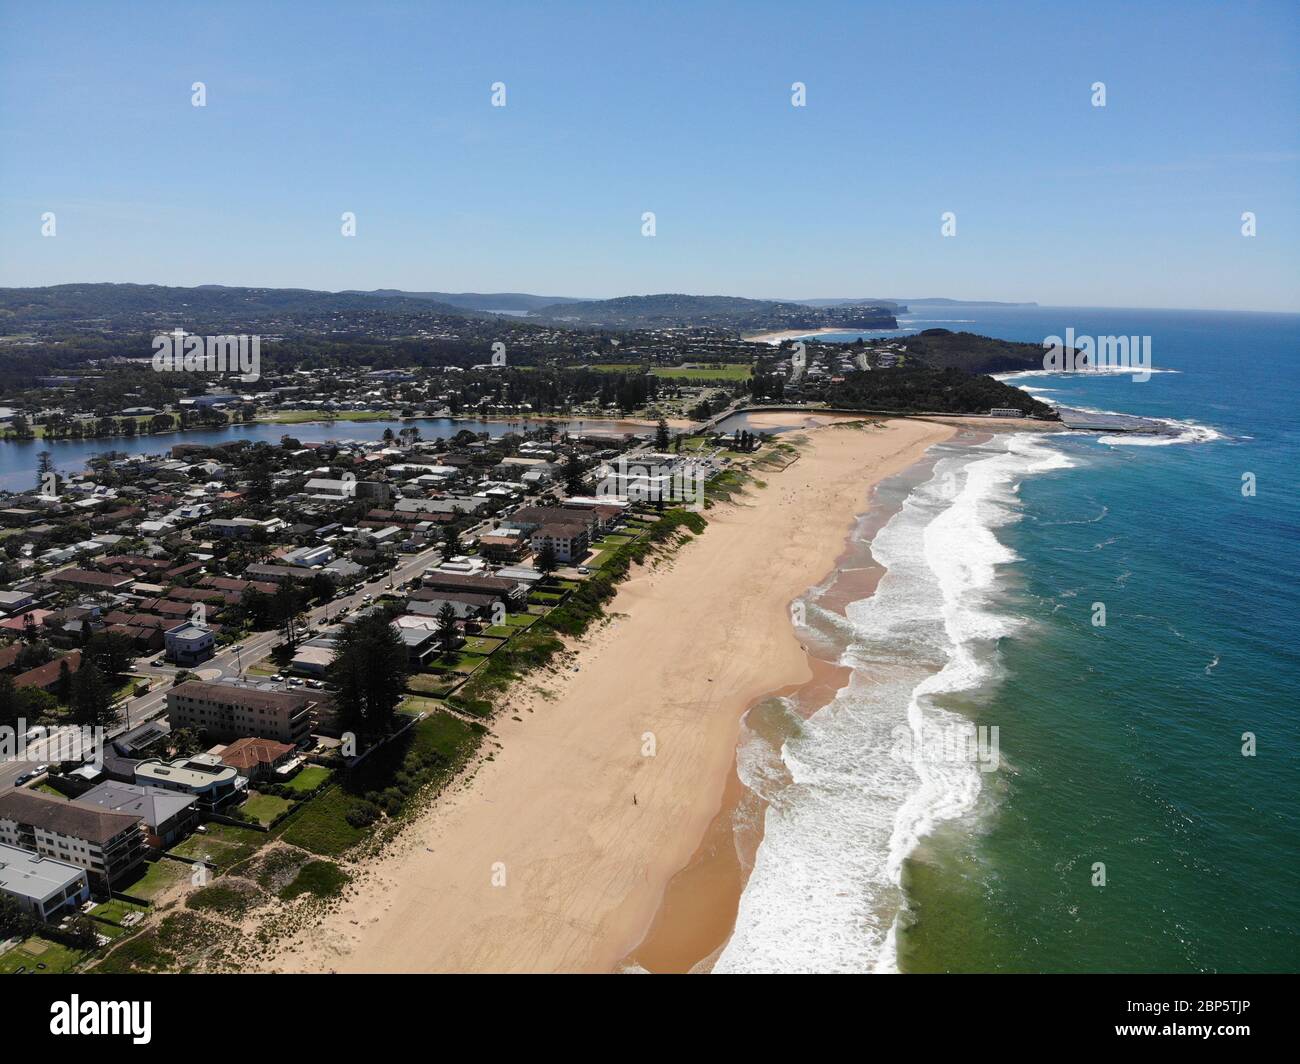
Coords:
pixel 256 606
pixel 185 742
pixel 10 709
pixel 448 635
pixel 63 685
pixel 369 669
pixel 661 436
pixel 574 471
pixel 15 921
pixel 91 698
pixel 286 608
pixel 546 561
pixel 112 652
pixel 260 488
pixel 451 539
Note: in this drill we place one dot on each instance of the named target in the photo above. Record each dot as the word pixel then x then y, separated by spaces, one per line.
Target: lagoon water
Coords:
pixel 18 460
pixel 1120 746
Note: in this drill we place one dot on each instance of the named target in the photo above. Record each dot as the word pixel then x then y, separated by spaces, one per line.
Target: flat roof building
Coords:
pixel 43 886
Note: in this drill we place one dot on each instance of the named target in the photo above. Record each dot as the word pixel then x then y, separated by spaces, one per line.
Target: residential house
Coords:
pixel 258 759
pixel 89 580
pixel 203 776
pixel 46 676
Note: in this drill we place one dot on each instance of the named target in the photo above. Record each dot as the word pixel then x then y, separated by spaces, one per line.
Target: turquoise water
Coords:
pixel 1120 745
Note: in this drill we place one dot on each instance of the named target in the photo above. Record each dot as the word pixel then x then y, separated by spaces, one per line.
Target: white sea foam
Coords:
pixel 1178 432
pixel 825 889
pixel 1093 371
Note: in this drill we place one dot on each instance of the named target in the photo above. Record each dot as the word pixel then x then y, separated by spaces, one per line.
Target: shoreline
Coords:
pixel 696 918
pixel 780 335
pixel 583 830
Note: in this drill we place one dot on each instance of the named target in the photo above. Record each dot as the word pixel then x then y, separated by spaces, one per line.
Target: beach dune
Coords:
pixel 555 855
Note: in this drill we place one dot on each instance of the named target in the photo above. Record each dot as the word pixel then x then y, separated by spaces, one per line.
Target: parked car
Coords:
pixel 295 681
pixel 278 677
pixel 583 570
pixel 315 684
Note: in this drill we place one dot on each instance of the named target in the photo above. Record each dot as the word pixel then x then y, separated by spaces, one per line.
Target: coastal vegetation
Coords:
pixel 948 391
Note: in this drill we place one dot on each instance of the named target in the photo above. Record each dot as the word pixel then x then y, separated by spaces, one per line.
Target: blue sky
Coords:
pixel 614 109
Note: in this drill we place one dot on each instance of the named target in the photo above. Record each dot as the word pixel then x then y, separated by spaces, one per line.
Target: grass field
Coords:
pixel 726 372
pixel 308 779
pixel 222 844
pixel 320 826
pixel 158 876
pixel 115 908
pixel 39 956
pixel 264 808
pixel 426 683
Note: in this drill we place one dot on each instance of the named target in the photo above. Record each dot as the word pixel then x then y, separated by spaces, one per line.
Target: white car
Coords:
pixel 583 570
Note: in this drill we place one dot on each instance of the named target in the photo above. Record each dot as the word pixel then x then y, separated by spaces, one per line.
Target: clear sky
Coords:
pixel 614 109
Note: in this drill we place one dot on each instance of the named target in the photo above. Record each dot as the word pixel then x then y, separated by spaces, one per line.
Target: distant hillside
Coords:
pixel 944 349
pixel 731 313
pixel 504 302
pixel 139 306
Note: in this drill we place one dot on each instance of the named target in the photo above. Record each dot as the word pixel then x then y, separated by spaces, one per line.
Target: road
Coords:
pixel 229 662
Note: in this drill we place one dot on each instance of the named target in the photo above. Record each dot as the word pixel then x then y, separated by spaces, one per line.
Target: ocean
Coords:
pixel 1070 736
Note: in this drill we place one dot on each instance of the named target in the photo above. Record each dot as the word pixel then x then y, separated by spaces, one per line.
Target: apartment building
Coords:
pixel 569 542
pixel 108 845
pixel 189 644
pixel 229 711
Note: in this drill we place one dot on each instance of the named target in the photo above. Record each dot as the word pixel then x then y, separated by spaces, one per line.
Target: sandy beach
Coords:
pixel 775 338
pixel 603 779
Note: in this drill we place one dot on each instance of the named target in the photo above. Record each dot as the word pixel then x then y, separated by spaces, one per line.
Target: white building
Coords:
pixel 43 886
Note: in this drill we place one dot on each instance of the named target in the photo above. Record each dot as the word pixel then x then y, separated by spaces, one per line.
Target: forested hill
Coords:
pixel 729 313
pixel 147 306
pixel 931 390
pixel 943 349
